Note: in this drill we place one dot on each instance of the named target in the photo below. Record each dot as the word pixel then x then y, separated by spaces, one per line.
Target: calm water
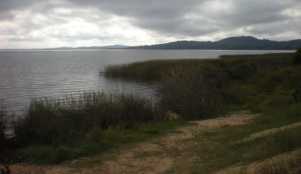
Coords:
pixel 25 75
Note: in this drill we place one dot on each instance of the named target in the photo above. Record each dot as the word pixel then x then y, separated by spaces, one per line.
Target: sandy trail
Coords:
pixel 166 154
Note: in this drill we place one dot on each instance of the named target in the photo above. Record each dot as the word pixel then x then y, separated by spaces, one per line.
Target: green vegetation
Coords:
pixel 149 71
pixel 266 84
pixel 95 142
pixel 4 142
pixel 298 57
pixel 2 136
pixel 225 148
pixel 56 122
pixel 195 93
pixel 198 89
pixel 53 131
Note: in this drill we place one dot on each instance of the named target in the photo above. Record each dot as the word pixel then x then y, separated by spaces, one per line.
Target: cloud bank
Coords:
pixel 55 23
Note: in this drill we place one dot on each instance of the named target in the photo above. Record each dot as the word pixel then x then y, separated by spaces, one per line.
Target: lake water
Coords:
pixel 29 74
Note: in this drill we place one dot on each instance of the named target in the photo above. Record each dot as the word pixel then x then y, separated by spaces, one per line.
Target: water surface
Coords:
pixel 29 74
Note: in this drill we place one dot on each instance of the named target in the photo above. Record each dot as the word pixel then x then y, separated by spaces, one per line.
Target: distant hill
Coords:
pixel 90 47
pixel 232 43
pixel 104 47
pixel 114 47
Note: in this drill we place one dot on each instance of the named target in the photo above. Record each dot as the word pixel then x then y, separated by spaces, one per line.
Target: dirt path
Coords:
pixel 270 132
pixel 167 154
pixel 283 163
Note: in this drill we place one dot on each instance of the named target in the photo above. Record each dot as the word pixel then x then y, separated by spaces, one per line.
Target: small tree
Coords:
pixel 297 59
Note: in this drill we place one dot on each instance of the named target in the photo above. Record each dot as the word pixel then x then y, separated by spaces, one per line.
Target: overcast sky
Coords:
pixel 56 23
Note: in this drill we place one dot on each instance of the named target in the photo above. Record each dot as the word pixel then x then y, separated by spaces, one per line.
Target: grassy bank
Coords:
pixel 53 131
pixel 150 71
pixel 266 84
pixel 252 149
pixel 202 88
pixel 158 70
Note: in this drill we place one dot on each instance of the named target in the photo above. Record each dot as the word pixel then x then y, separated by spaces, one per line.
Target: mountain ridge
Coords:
pixel 230 43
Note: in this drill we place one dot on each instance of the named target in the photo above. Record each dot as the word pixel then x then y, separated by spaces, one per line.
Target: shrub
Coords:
pixel 297 60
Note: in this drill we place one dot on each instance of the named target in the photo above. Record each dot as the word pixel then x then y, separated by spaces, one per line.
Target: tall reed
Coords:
pixel 73 118
pixel 2 128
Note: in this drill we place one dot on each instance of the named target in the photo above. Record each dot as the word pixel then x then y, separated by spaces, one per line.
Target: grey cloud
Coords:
pixel 282 30
pixel 6 5
pixel 166 18
pixel 247 12
pixel 161 16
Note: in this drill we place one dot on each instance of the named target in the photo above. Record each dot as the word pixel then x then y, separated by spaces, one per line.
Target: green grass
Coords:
pixel 157 70
pixel 96 143
pixel 63 121
pixel 219 149
pixel 297 59
pixel 150 71
pixel 54 131
pixel 196 89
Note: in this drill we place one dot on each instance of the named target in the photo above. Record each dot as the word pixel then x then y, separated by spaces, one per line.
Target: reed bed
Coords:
pixel 65 120
pixel 54 130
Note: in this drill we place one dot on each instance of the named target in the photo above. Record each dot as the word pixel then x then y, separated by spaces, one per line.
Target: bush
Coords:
pixel 297 60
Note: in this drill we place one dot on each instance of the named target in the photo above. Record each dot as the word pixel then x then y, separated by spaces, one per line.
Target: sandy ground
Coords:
pixel 167 154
